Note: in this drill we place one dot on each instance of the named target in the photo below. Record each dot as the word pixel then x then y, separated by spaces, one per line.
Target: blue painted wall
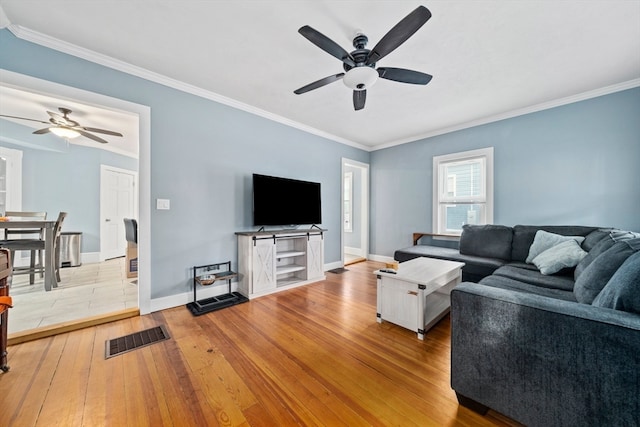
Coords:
pixel 574 164
pixel 202 156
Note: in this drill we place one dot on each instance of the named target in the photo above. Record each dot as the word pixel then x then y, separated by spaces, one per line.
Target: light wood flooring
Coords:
pixel 314 355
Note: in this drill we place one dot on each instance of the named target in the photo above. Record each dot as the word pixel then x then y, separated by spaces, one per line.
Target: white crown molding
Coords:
pixel 520 112
pixel 107 61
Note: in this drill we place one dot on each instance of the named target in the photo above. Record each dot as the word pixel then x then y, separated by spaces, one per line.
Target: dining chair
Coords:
pixel 9 232
pixel 36 245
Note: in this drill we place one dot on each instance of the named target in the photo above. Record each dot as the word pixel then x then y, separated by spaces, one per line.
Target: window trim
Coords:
pixel 487 199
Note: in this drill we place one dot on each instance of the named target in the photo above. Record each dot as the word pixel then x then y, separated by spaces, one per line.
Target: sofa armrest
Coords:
pixel 543 361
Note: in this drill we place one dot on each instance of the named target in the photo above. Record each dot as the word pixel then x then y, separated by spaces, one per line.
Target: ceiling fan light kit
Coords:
pixel 360 64
pixel 64 132
pixel 360 78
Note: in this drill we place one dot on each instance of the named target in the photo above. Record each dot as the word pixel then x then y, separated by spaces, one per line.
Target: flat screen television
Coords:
pixel 284 201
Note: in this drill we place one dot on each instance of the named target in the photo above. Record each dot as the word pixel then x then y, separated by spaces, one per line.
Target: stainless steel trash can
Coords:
pixel 70 246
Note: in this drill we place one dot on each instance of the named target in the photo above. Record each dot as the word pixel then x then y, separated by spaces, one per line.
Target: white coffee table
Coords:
pixel 417 296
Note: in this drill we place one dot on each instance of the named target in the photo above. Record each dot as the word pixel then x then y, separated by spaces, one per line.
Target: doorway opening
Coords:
pixel 355 211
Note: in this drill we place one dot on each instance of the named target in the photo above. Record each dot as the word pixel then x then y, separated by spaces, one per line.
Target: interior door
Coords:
pixel 117 201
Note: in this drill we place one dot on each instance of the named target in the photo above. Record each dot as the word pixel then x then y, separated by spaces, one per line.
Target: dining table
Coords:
pixel 50 281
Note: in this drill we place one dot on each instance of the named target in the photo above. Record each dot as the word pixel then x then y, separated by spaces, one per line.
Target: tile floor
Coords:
pixel 83 291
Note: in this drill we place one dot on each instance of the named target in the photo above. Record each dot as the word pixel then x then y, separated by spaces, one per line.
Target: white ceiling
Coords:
pixel 489 59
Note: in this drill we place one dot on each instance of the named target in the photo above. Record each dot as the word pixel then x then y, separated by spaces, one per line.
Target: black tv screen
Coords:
pixel 284 201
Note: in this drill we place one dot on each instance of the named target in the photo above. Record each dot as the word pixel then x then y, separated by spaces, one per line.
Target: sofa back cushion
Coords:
pixel 622 292
pixel 595 237
pixel 490 241
pixel 523 236
pixel 601 245
pixel 594 278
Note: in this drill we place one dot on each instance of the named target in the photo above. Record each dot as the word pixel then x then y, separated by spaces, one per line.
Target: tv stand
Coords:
pixel 275 260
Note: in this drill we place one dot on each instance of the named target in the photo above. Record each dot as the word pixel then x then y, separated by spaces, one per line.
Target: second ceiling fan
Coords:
pixel 65 127
pixel 360 65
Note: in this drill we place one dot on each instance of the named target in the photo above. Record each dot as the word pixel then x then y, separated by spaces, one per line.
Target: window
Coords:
pixel 462 190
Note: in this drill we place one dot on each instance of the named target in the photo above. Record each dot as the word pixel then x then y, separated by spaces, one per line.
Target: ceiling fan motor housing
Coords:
pixel 363 75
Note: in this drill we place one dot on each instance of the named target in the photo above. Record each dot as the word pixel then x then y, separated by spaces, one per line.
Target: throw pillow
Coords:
pixel 566 254
pixel 622 292
pixel 545 240
pixel 594 278
pixel 594 253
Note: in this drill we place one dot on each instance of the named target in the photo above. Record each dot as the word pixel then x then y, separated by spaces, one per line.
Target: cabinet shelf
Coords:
pixel 289 254
pixel 289 268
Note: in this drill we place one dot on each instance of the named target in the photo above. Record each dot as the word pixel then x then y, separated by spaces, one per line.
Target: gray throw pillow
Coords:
pixel 566 254
pixel 545 240
pixel 594 253
pixel 622 292
pixel 599 272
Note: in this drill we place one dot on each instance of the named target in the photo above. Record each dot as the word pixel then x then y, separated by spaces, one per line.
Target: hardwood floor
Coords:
pixel 314 355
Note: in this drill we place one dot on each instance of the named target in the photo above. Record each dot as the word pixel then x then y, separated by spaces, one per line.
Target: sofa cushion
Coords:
pixel 544 240
pixel 594 278
pixel 595 237
pixel 534 277
pixel 566 254
pixel 523 236
pixel 516 285
pixel 622 292
pixel 601 247
pixel 491 241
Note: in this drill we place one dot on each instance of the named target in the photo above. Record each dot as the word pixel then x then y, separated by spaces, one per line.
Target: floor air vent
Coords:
pixel 134 341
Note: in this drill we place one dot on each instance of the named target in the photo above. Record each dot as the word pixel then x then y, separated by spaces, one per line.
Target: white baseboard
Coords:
pixel 177 300
pixel 90 257
pixel 333 265
pixel 353 251
pixel 85 258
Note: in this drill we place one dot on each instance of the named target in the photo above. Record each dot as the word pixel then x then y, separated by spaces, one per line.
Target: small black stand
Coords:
pixel 219 271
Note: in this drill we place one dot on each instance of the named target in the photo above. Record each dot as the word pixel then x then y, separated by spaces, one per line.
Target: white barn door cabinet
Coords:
pixel 272 261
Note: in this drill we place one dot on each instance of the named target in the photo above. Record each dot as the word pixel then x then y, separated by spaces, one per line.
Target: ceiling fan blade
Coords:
pixel 318 83
pixel 24 118
pixel 326 44
pixel 42 131
pixel 91 136
pixel 359 97
pixel 399 34
pixel 404 76
pixel 104 131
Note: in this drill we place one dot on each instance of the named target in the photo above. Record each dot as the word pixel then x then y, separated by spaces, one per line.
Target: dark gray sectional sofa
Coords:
pixel 559 349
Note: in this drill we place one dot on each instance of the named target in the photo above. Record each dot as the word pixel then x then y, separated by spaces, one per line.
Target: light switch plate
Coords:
pixel 164 204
